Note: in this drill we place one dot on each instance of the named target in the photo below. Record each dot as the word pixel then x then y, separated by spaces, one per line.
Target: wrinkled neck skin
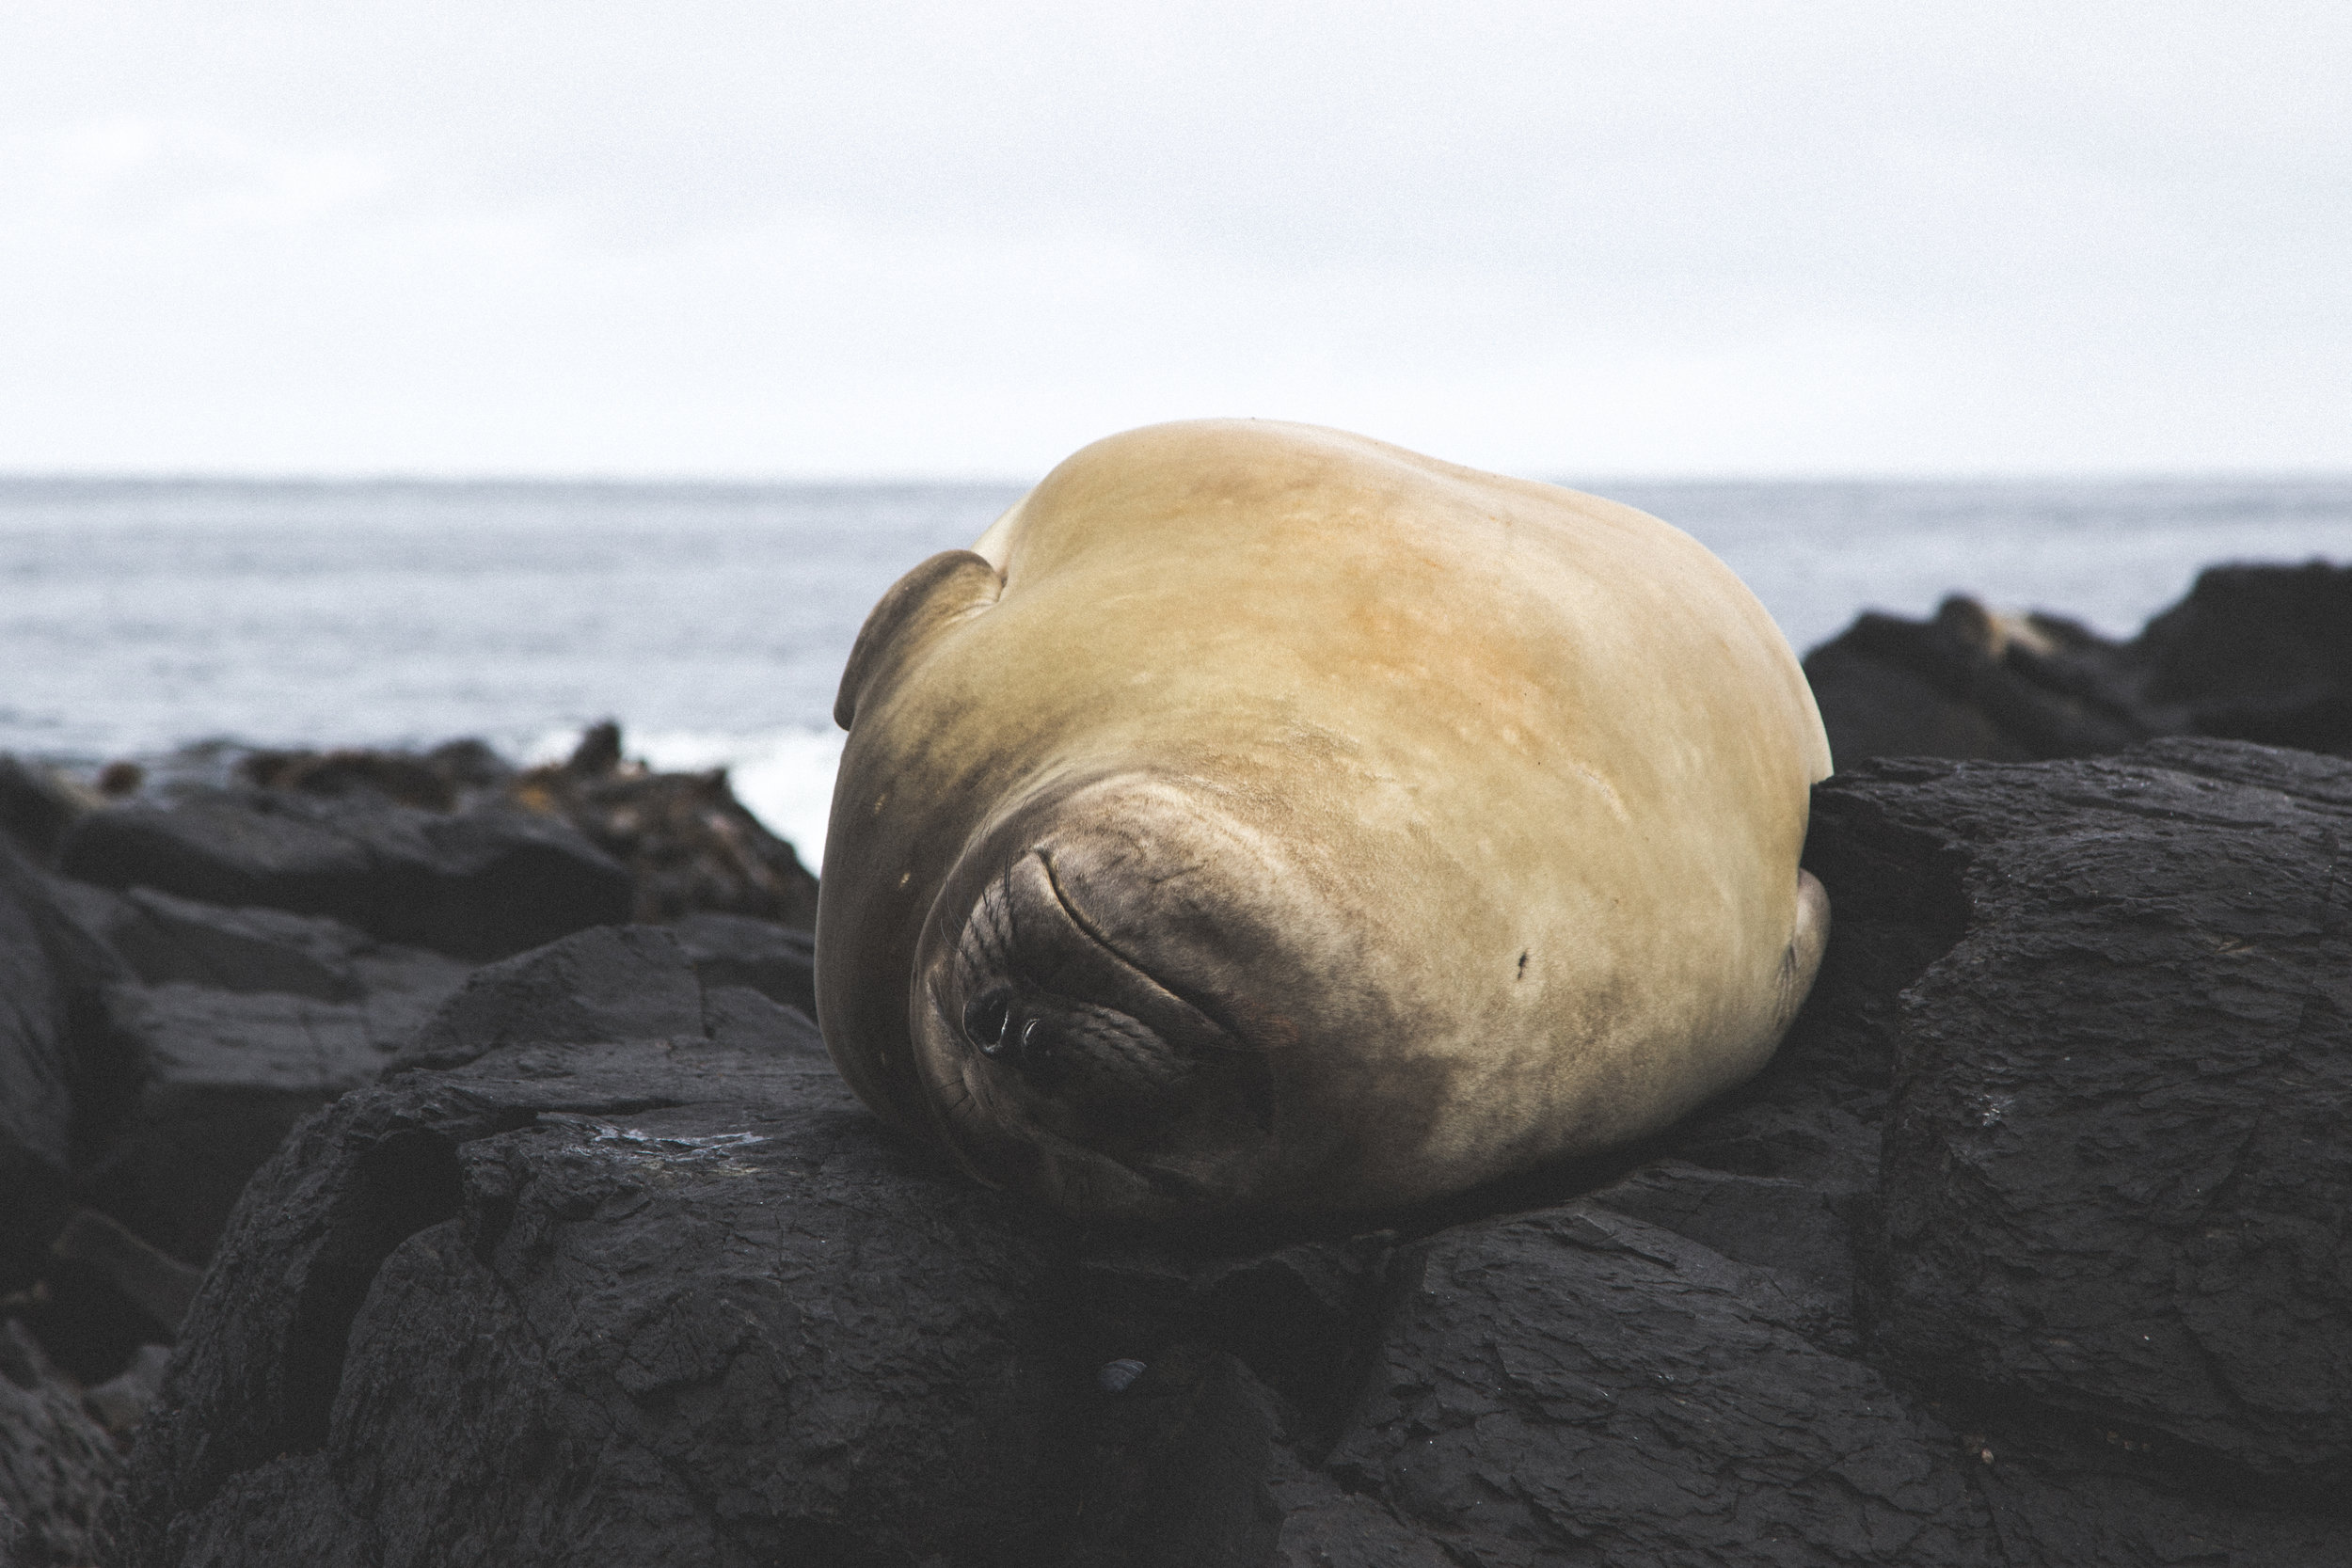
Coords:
pixel 1104 990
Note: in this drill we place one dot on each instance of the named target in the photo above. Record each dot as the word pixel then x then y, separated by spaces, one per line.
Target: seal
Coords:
pixel 1264 818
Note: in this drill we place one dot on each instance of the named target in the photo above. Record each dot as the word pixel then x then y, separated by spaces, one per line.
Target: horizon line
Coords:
pixel 393 479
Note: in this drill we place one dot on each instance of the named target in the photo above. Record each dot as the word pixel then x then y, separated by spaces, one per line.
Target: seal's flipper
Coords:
pixel 1803 960
pixel 948 587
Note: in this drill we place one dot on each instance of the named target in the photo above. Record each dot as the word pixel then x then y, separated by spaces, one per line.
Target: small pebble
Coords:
pixel 1119 1376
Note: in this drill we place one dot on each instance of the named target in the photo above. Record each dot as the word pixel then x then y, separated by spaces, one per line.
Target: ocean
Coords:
pixel 139 616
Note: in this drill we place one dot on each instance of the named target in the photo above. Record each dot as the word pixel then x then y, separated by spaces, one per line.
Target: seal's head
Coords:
pixel 1093 1020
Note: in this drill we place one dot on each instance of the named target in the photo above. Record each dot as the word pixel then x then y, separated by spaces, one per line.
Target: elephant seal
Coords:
pixel 1264 818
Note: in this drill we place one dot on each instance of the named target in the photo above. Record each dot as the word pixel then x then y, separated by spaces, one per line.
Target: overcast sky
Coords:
pixel 961 240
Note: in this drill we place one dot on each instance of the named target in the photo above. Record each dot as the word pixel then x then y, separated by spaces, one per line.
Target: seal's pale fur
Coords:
pixel 1303 824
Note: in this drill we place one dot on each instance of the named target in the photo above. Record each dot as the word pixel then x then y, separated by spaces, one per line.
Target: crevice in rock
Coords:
pixel 2056 1441
pixel 404 1184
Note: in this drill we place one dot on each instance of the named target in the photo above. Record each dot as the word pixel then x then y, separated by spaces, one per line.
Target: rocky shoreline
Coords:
pixel 464 1135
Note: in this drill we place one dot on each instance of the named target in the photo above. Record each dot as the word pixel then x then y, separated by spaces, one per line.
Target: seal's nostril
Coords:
pixel 1036 1055
pixel 986 1022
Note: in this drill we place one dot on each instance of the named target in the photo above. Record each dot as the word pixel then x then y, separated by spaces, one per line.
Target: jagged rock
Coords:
pixel 163 939
pixel 2119 1152
pixel 775 960
pixel 612 1267
pixel 1580 1384
pixel 688 844
pixel 479 886
pixel 687 841
pixel 223 1076
pixel 2254 653
pixel 615 983
pixel 52 975
pixel 57 1465
pixel 233 1025
pixel 663 1299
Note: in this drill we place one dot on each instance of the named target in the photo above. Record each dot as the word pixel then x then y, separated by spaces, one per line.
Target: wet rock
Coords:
pixel 57 1465
pixel 478 885
pixel 687 841
pixel 662 1296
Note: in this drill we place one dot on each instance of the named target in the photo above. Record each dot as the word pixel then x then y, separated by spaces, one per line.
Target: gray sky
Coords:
pixel 767 239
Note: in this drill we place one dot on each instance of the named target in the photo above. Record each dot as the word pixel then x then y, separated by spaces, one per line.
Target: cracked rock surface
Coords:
pixel 2026 1250
pixel 644 1287
pixel 478 885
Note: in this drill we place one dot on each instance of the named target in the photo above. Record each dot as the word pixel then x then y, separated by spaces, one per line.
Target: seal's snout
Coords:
pixel 1049 1042
pixel 1069 1042
pixel 1077 1032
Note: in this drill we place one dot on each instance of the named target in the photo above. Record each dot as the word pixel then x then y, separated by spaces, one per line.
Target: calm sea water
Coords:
pixel 137 616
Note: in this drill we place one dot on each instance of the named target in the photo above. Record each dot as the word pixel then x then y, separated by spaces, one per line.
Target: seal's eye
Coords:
pixel 986 1018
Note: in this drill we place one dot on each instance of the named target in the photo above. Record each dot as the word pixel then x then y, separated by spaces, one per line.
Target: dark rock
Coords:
pixel 610 1266
pixel 1297 1314
pixel 2121 1145
pixel 38 807
pixel 163 939
pixel 661 1298
pixel 157 1284
pixel 122 1401
pixel 57 1465
pixel 1800 1231
pixel 480 886
pixel 223 1076
pixel 119 779
pixel 631 982
pixel 735 950
pixel 442 780
pixel 1185 1463
pixel 1579 1386
pixel 53 1061
pixel 245 1021
pixel 685 838
pixel 1970 683
pixel 2253 652
pixel 2257 652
